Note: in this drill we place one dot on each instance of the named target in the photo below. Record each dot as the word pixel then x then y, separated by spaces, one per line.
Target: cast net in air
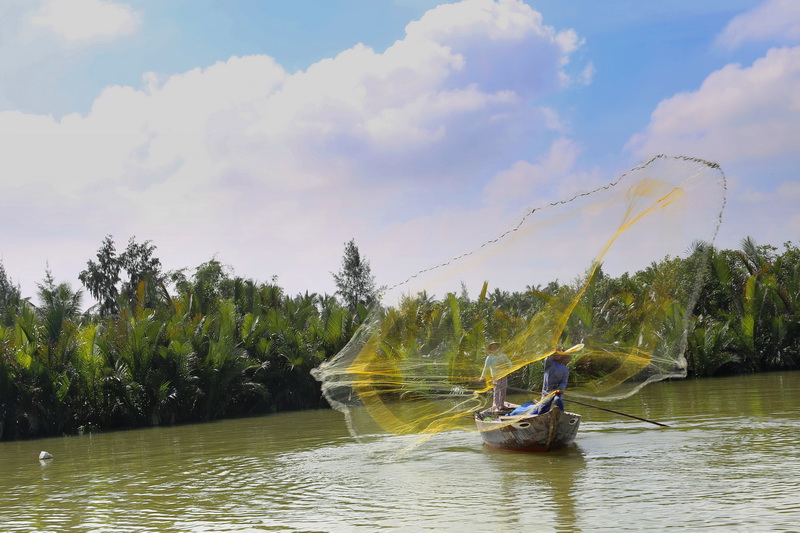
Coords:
pixel 617 269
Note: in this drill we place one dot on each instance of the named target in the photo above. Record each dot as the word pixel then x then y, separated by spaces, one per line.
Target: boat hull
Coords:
pixel 540 433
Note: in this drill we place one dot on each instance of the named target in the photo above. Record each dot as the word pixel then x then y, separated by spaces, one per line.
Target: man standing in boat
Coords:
pixel 496 368
pixel 556 376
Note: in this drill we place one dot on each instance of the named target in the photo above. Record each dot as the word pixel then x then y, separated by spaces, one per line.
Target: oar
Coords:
pixel 597 407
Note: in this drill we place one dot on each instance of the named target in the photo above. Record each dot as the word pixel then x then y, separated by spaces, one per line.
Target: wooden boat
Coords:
pixel 538 433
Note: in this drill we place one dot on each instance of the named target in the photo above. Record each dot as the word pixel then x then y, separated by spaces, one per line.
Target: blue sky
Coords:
pixel 270 133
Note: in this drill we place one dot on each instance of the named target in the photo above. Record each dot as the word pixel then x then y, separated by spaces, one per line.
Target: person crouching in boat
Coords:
pixel 496 368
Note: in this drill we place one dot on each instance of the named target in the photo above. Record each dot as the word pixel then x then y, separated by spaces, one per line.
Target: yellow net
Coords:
pixel 414 365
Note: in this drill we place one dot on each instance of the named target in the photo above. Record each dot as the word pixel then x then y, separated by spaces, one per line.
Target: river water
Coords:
pixel 729 462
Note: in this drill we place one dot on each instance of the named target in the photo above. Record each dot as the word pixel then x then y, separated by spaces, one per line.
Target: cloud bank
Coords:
pixel 245 159
pixel 773 20
pixel 738 113
pixel 744 118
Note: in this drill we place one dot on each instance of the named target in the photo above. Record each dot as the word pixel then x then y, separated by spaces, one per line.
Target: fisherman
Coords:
pixel 556 376
pixel 497 368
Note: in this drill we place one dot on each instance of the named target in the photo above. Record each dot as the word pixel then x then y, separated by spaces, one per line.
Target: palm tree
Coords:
pixel 59 310
pixel 223 365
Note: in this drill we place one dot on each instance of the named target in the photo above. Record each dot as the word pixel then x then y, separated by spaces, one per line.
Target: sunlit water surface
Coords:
pixel 729 462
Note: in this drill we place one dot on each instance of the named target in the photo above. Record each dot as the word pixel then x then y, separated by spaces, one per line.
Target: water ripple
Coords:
pixel 723 470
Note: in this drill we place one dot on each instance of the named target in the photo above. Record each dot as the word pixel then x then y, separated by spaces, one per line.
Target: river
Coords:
pixel 728 462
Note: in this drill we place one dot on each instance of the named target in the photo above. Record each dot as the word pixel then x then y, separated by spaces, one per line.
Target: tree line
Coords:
pixel 165 348
pixel 176 347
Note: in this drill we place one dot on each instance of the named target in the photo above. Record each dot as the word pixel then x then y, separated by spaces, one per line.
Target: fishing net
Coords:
pixel 617 270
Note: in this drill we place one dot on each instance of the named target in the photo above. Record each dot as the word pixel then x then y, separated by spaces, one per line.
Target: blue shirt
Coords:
pixel 555 377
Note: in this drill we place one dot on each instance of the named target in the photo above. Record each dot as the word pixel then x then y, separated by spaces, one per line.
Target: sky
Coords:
pixel 268 134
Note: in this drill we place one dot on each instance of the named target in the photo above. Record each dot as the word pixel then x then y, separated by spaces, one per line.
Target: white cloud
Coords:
pixel 587 74
pixel 773 21
pixel 745 119
pixel 87 20
pixel 737 114
pixel 275 171
pixel 525 180
pixel 505 20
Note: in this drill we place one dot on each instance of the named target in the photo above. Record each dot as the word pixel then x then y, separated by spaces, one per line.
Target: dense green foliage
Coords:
pixel 221 346
pixel 217 345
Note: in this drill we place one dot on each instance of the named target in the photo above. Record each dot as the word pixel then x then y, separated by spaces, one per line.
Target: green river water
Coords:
pixel 729 462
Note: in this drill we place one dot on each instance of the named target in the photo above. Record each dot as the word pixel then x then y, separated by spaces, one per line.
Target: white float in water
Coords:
pixel 45 455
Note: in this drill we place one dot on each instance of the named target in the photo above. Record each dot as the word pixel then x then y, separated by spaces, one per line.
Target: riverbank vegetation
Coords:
pixel 166 348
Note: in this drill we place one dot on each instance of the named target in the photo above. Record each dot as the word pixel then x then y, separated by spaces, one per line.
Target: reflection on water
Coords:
pixel 729 462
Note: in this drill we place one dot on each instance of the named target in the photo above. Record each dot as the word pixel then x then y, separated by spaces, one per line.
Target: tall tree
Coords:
pixel 355 283
pixel 101 278
pixel 140 265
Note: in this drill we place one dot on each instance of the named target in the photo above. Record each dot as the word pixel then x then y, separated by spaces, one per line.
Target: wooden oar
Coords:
pixel 597 407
